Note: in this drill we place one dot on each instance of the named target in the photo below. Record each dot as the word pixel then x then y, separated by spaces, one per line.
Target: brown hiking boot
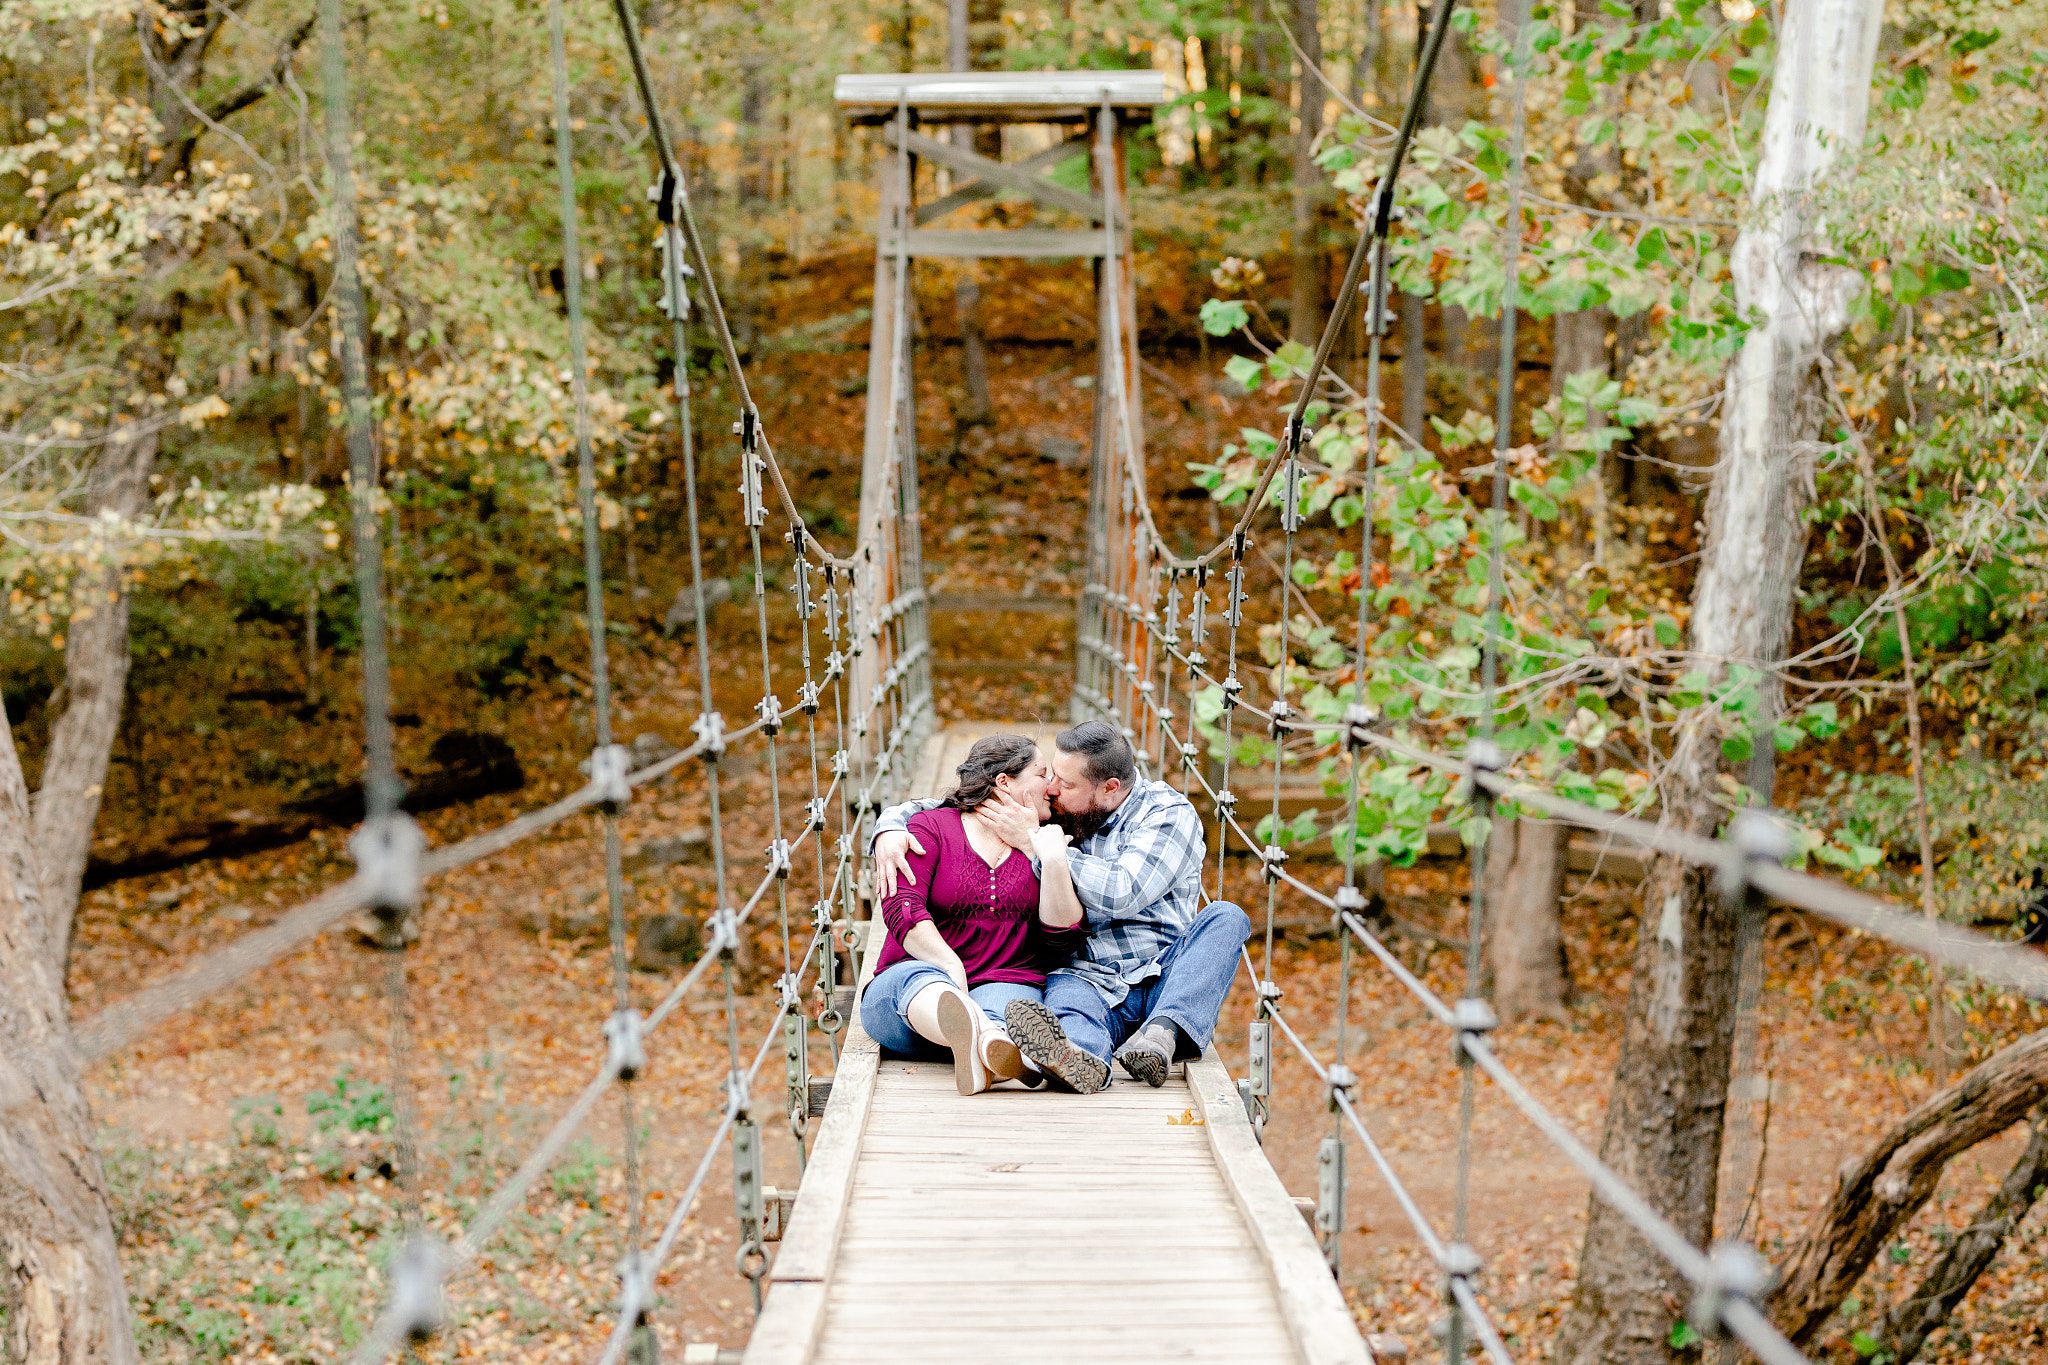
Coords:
pixel 1038 1035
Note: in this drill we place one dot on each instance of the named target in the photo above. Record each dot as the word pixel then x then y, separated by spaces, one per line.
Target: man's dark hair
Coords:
pixel 1107 751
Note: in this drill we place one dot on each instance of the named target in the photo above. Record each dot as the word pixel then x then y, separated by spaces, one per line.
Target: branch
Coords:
pixel 1881 1190
pixel 1910 1323
pixel 256 90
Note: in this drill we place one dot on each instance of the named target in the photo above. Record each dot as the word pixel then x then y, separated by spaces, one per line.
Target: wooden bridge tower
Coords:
pixel 1090 111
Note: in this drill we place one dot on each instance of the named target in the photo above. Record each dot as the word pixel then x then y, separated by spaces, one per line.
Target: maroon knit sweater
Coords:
pixel 988 915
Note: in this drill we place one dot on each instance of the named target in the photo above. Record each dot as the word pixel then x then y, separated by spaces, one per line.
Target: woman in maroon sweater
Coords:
pixel 974 927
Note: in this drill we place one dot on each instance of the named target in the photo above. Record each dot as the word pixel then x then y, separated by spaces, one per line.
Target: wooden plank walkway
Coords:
pixel 1018 1226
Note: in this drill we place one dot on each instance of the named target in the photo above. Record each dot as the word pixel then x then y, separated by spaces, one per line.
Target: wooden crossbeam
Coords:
pixel 977 190
pixel 1027 242
pixel 996 173
pixel 1000 96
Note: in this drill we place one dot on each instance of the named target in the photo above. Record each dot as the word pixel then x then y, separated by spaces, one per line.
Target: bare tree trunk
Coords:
pixel 1305 317
pixel 1526 949
pixel 95 685
pixel 1578 343
pixel 973 37
pixel 1664 1117
pixel 1414 366
pixel 62 1299
pixel 1876 1193
pixel 755 183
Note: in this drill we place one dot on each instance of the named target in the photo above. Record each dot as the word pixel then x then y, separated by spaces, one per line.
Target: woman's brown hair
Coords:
pixel 991 757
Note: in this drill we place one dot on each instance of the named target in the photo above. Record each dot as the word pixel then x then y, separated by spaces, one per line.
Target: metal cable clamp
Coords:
pixel 1277 724
pixel 1734 1271
pixel 1358 722
pixel 1271 858
pixel 625 1046
pixel 769 709
pixel 636 1287
pixel 1472 1017
pixel 1234 595
pixel 418 1308
pixel 1482 755
pixel 725 931
pixel 709 729
pixel 778 858
pixel 607 766
pixel 387 853
pixel 1753 837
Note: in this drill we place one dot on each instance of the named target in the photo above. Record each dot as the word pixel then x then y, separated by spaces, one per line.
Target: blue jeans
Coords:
pixel 1194 976
pixel 885 1007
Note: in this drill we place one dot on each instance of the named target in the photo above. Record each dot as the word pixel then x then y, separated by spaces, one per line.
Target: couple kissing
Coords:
pixel 1045 917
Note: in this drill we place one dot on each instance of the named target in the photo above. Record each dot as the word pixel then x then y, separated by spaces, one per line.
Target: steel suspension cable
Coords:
pixel 387 846
pixel 608 762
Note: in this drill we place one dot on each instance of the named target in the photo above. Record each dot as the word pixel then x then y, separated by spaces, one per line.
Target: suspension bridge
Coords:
pixel 1135 1225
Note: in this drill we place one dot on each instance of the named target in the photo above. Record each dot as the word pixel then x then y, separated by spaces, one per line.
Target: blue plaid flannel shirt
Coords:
pixel 1139 878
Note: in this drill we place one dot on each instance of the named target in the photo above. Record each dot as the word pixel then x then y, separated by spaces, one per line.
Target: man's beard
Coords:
pixel 1082 826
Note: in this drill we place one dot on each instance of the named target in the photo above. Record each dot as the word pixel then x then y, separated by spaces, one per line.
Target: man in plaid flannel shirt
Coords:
pixel 1148 984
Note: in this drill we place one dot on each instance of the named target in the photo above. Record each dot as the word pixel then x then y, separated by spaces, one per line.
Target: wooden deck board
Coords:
pixel 1133 1226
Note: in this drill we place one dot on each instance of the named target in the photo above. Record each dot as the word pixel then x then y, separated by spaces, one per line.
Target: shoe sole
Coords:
pixel 956 1021
pixel 1005 1062
pixel 1145 1065
pixel 1039 1036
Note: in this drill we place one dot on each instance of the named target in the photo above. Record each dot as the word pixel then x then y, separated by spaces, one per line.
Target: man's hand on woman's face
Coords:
pixel 1012 820
pixel 891 862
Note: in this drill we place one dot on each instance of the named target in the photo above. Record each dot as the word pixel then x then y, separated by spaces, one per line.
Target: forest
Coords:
pixel 1743 308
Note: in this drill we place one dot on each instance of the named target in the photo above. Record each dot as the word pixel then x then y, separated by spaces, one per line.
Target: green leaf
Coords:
pixel 1650 250
pixel 1865 1344
pixel 1221 317
pixel 1947 277
pixel 1820 720
pixel 1289 359
pixel 1245 372
pixel 1736 748
pixel 1682 1336
pixel 1667 630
